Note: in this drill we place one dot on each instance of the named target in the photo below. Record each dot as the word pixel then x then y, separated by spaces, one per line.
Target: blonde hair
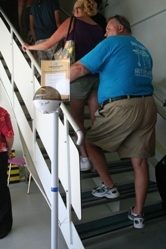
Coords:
pixel 89 6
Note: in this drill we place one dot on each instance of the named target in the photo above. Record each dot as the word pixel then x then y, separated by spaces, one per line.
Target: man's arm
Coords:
pixel 21 6
pixel 32 27
pixel 57 18
pixel 7 131
pixel 77 70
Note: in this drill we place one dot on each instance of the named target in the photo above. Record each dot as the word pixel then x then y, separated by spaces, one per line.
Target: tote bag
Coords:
pixel 68 50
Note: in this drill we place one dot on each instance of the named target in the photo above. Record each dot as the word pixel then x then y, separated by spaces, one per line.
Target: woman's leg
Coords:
pixel 92 105
pixel 77 111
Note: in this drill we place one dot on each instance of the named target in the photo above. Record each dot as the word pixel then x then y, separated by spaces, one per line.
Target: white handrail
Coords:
pixel 72 122
pixel 12 29
pixel 34 62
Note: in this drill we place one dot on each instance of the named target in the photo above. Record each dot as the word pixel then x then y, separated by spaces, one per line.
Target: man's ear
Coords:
pixel 121 28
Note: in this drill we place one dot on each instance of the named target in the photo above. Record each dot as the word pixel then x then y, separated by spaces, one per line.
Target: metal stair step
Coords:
pixel 126 191
pixel 116 222
pixel 115 167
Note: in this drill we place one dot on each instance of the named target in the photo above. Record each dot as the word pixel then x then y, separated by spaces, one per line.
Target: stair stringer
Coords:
pixel 16 64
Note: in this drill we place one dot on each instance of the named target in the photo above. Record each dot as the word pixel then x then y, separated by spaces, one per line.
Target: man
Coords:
pixel 125 121
pixel 44 20
pixel 6 142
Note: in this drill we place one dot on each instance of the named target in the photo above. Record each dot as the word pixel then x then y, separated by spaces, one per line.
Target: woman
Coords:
pixel 87 34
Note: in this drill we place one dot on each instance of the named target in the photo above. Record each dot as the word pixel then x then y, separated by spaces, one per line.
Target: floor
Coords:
pixel 31 219
pixel 31 227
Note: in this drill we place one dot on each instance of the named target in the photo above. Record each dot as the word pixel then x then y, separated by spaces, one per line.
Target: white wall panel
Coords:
pixel 152 34
pixel 147 19
pixel 135 10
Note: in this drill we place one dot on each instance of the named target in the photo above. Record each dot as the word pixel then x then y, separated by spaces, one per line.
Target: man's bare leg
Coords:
pixel 141 176
pixel 98 160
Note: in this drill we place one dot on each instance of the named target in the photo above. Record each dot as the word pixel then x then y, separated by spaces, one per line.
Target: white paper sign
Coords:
pixel 55 73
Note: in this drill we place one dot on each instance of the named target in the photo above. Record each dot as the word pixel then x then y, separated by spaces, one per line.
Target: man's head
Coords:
pixel 118 25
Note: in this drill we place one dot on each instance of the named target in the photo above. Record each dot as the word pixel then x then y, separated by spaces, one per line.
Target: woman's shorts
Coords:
pixel 82 87
pixel 127 127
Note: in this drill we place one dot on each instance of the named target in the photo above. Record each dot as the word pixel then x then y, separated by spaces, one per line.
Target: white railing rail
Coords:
pixel 19 81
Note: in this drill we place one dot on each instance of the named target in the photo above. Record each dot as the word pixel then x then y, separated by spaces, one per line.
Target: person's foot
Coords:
pixel 103 191
pixel 85 164
pixel 138 219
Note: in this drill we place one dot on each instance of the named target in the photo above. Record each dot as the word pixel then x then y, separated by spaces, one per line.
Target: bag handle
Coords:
pixel 72 19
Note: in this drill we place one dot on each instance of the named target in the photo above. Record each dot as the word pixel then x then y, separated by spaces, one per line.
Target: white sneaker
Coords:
pixel 138 220
pixel 103 191
pixel 85 164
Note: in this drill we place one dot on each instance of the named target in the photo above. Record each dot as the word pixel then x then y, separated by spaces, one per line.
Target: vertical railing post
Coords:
pixel 54 184
pixel 12 63
pixel 68 192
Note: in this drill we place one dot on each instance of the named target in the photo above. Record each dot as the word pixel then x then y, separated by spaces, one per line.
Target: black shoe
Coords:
pixel 4 231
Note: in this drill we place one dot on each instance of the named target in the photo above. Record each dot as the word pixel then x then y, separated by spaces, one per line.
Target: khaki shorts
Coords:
pixel 82 87
pixel 127 127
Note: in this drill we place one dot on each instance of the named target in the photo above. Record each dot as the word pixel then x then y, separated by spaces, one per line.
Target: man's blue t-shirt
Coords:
pixel 124 66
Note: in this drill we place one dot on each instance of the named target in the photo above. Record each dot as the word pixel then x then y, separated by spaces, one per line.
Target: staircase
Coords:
pixel 83 219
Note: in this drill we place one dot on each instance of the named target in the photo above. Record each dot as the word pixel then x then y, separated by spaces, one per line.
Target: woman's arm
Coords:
pixel 58 35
